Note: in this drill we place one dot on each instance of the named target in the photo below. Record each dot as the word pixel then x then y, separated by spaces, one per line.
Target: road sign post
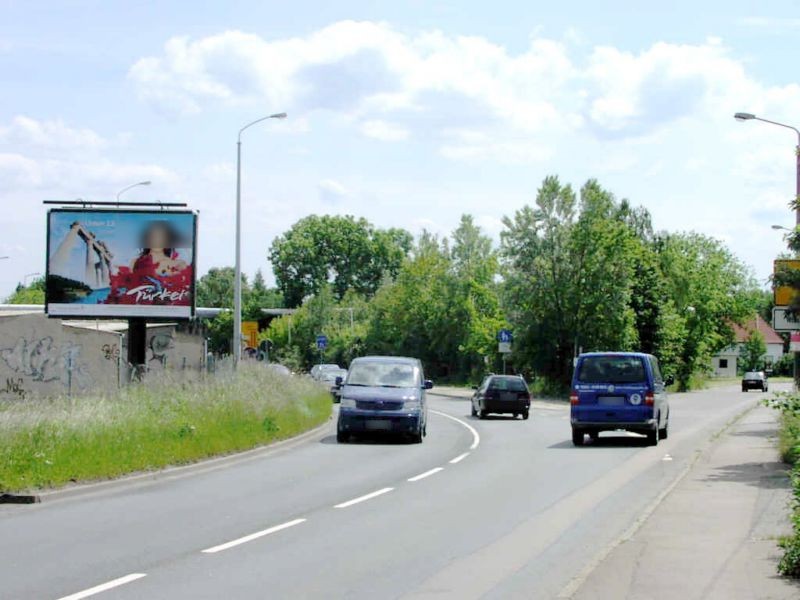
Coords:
pixel 504 339
pixel 322 344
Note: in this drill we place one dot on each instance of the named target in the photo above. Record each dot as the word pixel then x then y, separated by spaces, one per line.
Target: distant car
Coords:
pixel 502 394
pixel 318 370
pixel 384 394
pixel 619 390
pixel 329 378
pixel 755 380
pixel 278 369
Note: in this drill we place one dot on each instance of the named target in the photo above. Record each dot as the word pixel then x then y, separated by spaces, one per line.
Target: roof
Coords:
pixel 742 332
pixel 395 359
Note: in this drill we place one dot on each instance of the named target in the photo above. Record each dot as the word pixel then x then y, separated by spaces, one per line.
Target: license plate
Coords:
pixel 507 396
pixel 611 400
pixel 376 425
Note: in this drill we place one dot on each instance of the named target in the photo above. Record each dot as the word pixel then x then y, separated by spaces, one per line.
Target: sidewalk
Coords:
pixel 714 535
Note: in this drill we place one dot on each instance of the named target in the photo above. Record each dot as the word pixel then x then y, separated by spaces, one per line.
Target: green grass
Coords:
pixel 49 443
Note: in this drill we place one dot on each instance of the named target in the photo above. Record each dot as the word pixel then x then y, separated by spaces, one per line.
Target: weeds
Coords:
pixel 164 421
pixel 789 405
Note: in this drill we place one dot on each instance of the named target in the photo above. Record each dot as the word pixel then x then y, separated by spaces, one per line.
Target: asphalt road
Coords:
pixel 498 508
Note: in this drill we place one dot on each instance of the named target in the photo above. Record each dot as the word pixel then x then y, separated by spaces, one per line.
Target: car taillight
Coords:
pixel 573 397
pixel 649 399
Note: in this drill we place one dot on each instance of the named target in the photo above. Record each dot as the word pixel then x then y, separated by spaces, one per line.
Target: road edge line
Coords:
pixel 476 437
pixel 103 587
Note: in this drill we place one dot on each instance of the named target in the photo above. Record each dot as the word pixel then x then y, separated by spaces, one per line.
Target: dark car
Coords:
pixel 384 394
pixel 502 394
pixel 618 390
pixel 755 380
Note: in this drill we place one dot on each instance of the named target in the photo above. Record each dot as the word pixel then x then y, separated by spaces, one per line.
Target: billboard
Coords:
pixel 120 263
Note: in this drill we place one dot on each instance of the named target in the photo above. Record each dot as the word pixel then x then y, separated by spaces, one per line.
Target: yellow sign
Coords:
pixel 250 333
pixel 785 293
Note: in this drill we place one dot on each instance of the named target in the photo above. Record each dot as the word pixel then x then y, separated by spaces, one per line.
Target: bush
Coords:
pixel 163 421
pixel 789 405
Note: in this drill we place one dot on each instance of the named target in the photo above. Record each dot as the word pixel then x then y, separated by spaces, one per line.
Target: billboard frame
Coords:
pixel 139 311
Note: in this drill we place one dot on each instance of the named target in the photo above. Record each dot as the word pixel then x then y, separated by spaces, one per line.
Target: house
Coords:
pixel 725 363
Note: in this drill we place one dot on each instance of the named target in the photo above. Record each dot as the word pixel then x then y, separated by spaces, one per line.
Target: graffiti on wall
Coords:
pixel 160 346
pixel 14 387
pixel 45 361
pixel 110 351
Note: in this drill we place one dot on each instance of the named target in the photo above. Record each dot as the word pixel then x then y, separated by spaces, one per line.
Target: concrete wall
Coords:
pixel 45 357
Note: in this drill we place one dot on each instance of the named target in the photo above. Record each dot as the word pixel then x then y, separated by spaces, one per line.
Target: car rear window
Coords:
pixel 510 385
pixel 611 369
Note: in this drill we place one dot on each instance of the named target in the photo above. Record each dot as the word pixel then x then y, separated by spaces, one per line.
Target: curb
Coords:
pixel 173 472
pixel 19 499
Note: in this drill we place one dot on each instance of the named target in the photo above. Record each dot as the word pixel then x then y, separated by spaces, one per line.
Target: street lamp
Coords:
pixel 743 116
pixel 237 282
pixel 133 185
pixel 25 278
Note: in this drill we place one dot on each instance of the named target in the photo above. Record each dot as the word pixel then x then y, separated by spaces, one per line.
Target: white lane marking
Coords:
pixel 253 536
pixel 459 458
pixel 476 438
pixel 104 586
pixel 364 498
pixel 426 474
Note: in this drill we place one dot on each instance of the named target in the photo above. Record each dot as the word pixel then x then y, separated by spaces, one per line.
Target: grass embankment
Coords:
pixel 48 443
pixel 789 445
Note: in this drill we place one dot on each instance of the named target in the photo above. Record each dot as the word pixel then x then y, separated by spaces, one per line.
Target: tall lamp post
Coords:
pixel 237 282
pixel 133 185
pixel 743 116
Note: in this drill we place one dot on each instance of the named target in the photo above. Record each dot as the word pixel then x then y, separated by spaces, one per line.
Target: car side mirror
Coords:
pixel 338 382
pixel 428 385
pixel 669 380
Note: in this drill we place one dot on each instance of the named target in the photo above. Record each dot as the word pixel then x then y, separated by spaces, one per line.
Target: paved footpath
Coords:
pixel 714 535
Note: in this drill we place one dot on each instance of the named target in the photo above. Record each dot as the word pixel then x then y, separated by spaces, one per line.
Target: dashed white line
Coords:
pixel 253 536
pixel 104 586
pixel 364 498
pixel 426 474
pixel 476 438
pixel 459 458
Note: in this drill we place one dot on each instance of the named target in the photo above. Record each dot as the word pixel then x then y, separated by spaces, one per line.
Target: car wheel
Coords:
pixel 474 412
pixel 664 432
pixel 416 437
pixel 594 435
pixel 744 389
pixel 577 437
pixel 341 436
pixel 652 436
pixel 525 415
pixel 483 414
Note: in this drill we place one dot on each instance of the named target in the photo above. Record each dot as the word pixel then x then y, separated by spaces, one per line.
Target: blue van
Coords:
pixel 383 394
pixel 618 390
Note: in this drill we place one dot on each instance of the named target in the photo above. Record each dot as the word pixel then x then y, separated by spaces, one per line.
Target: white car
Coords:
pixel 318 370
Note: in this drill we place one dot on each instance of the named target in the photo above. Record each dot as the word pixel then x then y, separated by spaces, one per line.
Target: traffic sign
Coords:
pixel 322 342
pixel 505 336
pixel 782 322
pixel 504 347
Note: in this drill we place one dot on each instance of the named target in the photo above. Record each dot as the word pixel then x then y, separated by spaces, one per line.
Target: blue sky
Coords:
pixel 406 113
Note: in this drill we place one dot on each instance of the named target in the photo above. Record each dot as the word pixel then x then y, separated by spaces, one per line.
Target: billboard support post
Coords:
pixel 137 345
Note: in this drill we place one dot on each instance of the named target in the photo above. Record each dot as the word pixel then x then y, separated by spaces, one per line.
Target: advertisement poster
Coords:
pixel 120 263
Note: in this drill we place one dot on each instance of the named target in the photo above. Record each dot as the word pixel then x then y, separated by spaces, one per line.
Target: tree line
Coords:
pixel 574 271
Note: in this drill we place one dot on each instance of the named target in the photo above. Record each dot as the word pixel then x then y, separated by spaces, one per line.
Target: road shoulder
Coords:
pixel 714 535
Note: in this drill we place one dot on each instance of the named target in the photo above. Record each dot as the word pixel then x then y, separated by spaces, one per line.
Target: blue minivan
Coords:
pixel 383 394
pixel 618 390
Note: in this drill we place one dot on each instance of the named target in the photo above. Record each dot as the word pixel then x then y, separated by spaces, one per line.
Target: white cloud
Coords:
pixel 49 135
pixel 331 191
pixel 383 130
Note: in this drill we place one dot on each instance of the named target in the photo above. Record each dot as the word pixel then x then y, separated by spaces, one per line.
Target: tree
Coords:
pixel 346 252
pixel 753 351
pixel 32 294
pixel 215 288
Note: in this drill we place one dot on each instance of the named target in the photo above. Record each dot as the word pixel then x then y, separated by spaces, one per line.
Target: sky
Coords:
pixel 409 114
